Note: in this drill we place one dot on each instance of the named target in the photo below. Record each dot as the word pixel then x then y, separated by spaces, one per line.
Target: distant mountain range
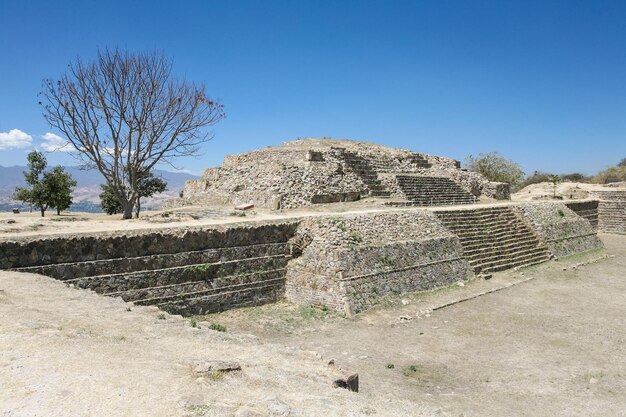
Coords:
pixel 86 194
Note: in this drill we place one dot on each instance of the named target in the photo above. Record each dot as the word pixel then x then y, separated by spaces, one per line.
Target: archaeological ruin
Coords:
pixel 313 171
pixel 408 222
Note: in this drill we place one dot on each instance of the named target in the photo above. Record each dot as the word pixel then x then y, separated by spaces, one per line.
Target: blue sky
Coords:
pixel 542 82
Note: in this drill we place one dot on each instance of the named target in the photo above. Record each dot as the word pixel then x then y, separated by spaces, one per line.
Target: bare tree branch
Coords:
pixel 126 112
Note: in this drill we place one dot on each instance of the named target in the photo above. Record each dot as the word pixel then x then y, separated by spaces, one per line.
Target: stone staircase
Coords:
pixel 432 191
pixel 494 239
pixel 612 211
pixel 187 283
pixel 366 172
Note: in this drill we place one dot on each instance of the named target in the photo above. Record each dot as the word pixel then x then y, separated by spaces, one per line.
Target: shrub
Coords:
pixel 355 237
pixel 536 178
pixel 611 174
pixel 495 167
pixel 217 327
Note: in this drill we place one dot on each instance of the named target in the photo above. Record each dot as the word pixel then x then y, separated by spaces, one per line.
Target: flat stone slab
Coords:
pixel 244 207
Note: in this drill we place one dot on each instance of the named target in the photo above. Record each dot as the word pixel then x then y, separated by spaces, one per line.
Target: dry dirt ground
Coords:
pixel 68 352
pixel 554 344
pixel 545 342
pixel 564 190
pixel 33 225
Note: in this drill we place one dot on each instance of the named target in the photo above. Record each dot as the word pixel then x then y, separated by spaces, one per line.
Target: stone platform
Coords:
pixel 343 261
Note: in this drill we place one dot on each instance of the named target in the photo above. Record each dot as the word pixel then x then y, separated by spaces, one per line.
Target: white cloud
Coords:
pixel 55 143
pixel 14 139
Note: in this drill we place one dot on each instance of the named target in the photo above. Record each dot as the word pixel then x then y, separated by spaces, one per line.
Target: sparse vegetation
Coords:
pixel 161 316
pixel 355 237
pixel 386 261
pixel 615 173
pixel 193 321
pixel 390 366
pixel 217 327
pixel 411 370
pixel 495 167
pixel 46 189
pixel 216 375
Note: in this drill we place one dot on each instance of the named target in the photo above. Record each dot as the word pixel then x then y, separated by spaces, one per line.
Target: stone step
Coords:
pixel 470 247
pixel 499 236
pixel 485 227
pixel 177 275
pixel 65 271
pixel 380 193
pixel 494 238
pixel 425 204
pixel 225 299
pixel 504 264
pixel 177 292
pixel 505 254
pixel 516 264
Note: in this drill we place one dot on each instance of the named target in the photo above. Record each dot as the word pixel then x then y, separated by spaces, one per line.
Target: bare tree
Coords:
pixel 125 112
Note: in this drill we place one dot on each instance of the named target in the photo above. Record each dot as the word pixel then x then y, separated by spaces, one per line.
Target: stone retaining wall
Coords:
pixel 346 262
pixel 586 209
pixel 59 249
pixel 560 228
pixel 349 262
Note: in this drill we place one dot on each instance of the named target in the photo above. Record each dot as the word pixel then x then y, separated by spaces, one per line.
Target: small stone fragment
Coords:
pixel 216 366
pixel 351 383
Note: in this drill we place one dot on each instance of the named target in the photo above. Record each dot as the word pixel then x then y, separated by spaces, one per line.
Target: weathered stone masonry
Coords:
pixel 345 262
pixel 312 171
pixel 184 271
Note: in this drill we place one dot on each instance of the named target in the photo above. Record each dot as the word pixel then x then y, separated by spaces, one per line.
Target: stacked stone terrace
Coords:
pixel 189 272
pixel 345 262
pixel 612 211
pixel 313 171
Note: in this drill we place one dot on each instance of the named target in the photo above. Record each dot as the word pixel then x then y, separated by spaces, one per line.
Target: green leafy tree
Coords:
pixel 495 167
pixel 37 194
pixel 149 186
pixel 108 200
pixel 555 180
pixel 60 185
pixel 46 189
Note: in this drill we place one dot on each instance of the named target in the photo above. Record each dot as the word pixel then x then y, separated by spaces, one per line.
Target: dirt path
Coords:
pixel 553 345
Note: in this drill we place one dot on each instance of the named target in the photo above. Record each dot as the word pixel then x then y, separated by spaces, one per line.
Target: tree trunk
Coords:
pixel 128 210
pixel 138 208
pixel 43 211
pixel 58 212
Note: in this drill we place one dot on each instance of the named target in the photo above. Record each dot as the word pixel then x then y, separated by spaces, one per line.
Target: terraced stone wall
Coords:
pixel 560 228
pixel 311 171
pixel 348 263
pixel 181 271
pixel 586 209
pixel 612 211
